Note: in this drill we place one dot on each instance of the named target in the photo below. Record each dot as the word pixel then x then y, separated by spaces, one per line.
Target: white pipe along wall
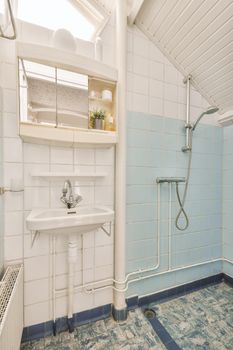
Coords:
pixel 119 309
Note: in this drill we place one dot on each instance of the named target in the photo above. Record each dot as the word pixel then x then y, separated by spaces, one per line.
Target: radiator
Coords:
pixel 11 308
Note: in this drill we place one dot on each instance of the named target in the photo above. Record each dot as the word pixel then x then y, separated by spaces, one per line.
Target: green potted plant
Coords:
pixel 98 116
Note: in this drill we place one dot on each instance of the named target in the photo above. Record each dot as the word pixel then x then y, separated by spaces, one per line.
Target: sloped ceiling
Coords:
pixel 197 37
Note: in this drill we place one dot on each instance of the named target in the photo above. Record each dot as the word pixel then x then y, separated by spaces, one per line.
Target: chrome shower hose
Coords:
pixel 182 201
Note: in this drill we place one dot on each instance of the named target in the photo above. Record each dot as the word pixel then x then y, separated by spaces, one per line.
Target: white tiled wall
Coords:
pixel 154 85
pixel 95 253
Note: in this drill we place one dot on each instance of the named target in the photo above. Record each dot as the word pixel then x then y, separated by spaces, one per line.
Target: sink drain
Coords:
pixel 149 313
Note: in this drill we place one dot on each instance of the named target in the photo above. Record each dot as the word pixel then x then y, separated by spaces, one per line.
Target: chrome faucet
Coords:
pixel 71 201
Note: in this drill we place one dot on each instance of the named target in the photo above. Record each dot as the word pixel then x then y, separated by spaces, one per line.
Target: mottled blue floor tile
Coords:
pixel 200 320
pixel 134 334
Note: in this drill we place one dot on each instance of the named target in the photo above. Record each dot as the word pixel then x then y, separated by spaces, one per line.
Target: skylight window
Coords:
pixel 56 14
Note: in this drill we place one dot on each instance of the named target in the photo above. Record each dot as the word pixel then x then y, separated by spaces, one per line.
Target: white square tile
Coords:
pixel 104 156
pixel 156 88
pixel 156 70
pixel 104 195
pixel 37 197
pixel 140 65
pixel 156 106
pixel 83 301
pixel 181 111
pixel 109 56
pixel 39 247
pixel 84 156
pixel 61 306
pixel 88 240
pixel 36 268
pixel 88 258
pixel 13 223
pixel 8 51
pixel 9 76
pixel 36 291
pixel 12 171
pixel 109 178
pixel 182 95
pixel 88 276
pixel 13 248
pixel 103 272
pixel 129 101
pixel 129 81
pixel 35 168
pixel 170 109
pixel 129 41
pixel 13 201
pixel 140 103
pixel 108 34
pixel 104 256
pixel 10 101
pixel 171 92
pixel 101 238
pixel 170 74
pixel 36 153
pixel 12 150
pixel 129 62
pixel 10 125
pixel 103 297
pixel 140 46
pixel 140 84
pixel 36 313
pixel 155 54
pixel 61 155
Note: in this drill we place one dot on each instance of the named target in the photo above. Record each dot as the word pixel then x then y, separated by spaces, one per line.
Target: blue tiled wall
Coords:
pixel 228 198
pixel 154 149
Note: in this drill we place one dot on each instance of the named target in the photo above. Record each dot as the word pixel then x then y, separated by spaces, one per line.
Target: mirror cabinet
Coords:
pixel 55 97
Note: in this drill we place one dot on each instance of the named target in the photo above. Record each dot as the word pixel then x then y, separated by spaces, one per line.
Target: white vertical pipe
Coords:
pixel 120 198
pixel 54 277
pixel 72 257
pixel 188 100
pixel 188 130
pixel 169 225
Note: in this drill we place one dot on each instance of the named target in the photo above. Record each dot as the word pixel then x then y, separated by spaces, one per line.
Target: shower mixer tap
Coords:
pixel 71 201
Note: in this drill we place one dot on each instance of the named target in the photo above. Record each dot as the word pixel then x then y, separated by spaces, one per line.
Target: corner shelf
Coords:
pixel 68 175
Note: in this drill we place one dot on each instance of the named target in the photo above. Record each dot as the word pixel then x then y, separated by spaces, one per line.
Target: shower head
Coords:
pixel 210 110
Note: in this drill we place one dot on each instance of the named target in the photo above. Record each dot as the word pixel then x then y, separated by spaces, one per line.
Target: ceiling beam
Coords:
pixel 133 11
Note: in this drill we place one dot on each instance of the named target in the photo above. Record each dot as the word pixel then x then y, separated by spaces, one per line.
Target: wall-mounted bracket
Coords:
pixel 108 233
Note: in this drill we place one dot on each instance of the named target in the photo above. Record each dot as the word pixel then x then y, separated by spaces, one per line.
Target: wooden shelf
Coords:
pixel 98 99
pixel 62 136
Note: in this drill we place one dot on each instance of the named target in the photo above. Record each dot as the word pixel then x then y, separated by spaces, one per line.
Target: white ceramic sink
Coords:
pixel 76 220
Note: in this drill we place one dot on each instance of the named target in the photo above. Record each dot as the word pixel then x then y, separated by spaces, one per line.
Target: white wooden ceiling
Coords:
pixel 197 36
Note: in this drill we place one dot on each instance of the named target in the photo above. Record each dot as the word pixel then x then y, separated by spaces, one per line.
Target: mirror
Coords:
pixel 52 96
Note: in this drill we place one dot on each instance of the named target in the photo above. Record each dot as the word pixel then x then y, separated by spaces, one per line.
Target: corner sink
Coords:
pixel 65 221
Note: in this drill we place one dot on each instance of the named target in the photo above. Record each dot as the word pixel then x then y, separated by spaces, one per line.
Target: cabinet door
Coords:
pixel 38 93
pixel 72 99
